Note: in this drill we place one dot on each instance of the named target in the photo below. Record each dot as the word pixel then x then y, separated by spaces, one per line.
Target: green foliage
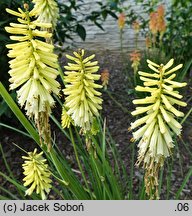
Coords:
pixel 178 37
pixel 4 109
pixel 99 180
pixel 73 16
pixel 81 31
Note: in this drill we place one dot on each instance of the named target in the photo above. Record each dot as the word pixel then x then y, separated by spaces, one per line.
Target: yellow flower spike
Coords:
pixel 172 93
pixel 66 119
pixel 153 68
pixel 145 100
pixel 82 99
pixel 175 101
pixel 34 60
pixel 139 122
pixel 158 120
pixel 34 69
pixel 37 174
pixel 46 11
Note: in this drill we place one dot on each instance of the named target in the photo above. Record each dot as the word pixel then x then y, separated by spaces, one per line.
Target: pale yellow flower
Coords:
pixel 47 11
pixel 82 99
pixel 37 174
pixel 158 123
pixel 34 66
pixel 66 119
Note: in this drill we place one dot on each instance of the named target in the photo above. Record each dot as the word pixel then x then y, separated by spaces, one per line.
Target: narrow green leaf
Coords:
pixel 187 177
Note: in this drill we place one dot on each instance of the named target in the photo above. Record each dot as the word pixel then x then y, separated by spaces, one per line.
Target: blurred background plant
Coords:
pixel 166 27
pixel 72 19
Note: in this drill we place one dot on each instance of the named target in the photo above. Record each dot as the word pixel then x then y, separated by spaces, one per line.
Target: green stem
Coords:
pixel 186 116
pixel 135 77
pixel 119 104
pixel 136 40
pixel 9 170
pixel 131 172
pixel 188 176
pixel 61 74
pixel 121 40
pixel 78 161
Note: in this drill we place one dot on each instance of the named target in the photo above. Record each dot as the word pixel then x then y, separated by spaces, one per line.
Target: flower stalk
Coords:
pixel 82 100
pixel 158 124
pixel 37 174
pixel 34 69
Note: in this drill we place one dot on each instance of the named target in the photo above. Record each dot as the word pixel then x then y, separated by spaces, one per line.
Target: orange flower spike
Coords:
pixel 135 56
pixel 105 77
pixel 136 26
pixel 153 22
pixel 161 19
pixel 161 10
pixel 121 21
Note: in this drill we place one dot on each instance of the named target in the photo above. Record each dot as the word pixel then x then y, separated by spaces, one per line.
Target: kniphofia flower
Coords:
pixel 158 123
pixel 161 20
pixel 105 78
pixel 136 26
pixel 82 101
pixel 157 21
pixel 153 26
pixel 46 11
pixel 135 58
pixel 34 68
pixel 66 119
pixel 37 174
pixel 121 21
pixel 148 42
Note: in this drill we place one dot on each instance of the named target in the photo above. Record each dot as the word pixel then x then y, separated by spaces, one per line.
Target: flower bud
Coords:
pixel 37 174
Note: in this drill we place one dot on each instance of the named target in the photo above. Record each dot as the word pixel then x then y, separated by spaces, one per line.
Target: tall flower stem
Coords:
pixel 121 40
pixel 78 161
pixel 61 74
pixel 125 110
pixel 186 116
